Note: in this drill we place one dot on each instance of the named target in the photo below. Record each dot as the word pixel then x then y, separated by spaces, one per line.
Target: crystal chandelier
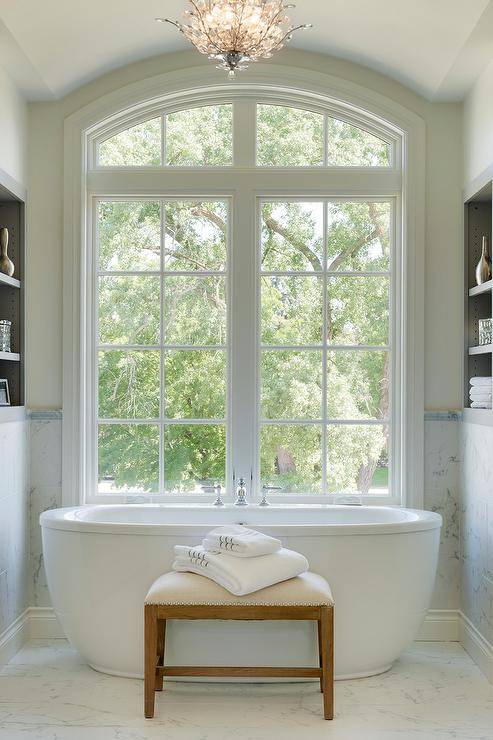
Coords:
pixel 236 32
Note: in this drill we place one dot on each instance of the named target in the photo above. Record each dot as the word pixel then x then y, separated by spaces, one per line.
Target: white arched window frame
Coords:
pixel 244 185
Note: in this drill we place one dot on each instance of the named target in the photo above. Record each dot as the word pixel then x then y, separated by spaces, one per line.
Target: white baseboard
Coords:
pixel 480 650
pixel 34 623
pixel 440 625
pixel 13 638
pixel 43 623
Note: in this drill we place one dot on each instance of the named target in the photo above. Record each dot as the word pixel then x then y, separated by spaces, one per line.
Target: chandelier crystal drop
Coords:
pixel 237 32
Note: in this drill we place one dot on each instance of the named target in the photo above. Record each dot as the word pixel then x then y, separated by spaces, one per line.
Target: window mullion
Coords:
pixel 162 482
pixel 324 337
pixel 244 133
pixel 243 339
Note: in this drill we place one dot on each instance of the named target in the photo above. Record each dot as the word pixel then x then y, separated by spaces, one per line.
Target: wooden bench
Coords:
pixel 190 596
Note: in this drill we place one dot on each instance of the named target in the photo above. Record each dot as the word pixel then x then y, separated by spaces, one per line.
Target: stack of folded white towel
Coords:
pixel 240 560
pixel 480 392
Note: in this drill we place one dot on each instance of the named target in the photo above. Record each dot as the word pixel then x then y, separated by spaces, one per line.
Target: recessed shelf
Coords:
pixel 10 356
pixel 481 289
pixel 10 281
pixel 484 349
pixel 12 413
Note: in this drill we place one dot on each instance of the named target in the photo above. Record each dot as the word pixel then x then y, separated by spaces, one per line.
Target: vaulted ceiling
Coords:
pixel 435 47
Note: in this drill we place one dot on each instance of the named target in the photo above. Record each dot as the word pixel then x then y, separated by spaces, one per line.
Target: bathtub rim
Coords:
pixel 64 519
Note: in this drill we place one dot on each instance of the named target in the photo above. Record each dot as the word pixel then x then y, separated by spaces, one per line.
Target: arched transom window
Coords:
pixel 244 297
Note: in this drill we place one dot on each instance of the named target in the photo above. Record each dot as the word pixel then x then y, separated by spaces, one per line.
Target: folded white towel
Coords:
pixel 240 541
pixel 480 396
pixel 240 576
pixel 479 380
pixel 481 405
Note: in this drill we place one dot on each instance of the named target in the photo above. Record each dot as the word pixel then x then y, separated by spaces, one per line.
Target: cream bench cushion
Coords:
pixel 308 589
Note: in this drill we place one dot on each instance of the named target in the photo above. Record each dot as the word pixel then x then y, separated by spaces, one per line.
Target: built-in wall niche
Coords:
pixel 478 298
pixel 12 292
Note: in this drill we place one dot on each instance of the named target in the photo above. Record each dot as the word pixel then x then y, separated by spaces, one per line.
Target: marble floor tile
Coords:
pixel 434 691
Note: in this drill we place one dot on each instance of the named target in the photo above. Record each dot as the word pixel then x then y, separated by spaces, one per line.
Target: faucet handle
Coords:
pixel 265 489
pixel 217 491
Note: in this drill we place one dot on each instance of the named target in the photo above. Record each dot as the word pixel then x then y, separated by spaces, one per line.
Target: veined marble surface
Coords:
pixel 440 494
pixel 477 527
pixel 14 521
pixel 434 692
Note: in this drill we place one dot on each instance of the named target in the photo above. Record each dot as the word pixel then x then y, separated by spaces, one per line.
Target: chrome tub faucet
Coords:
pixel 265 492
pixel 241 499
pixel 216 488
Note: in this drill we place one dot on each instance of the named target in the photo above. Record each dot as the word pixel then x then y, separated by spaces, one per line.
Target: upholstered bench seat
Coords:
pixel 309 589
pixel 190 596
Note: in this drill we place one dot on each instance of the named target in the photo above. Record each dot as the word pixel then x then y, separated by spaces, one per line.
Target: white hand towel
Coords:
pixel 480 396
pixel 240 576
pixel 481 405
pixel 240 541
pixel 479 380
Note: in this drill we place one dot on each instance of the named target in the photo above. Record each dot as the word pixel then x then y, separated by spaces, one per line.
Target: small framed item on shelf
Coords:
pixel 485 331
pixel 4 392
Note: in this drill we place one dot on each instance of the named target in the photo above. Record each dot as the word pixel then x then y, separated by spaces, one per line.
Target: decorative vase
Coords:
pixel 483 269
pixel 6 264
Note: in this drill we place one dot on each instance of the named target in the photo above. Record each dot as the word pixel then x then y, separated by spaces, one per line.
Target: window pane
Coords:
pixel 128 458
pixel 195 310
pixel 357 459
pixel 200 136
pixel 196 234
pixel 195 384
pixel 358 310
pixel 194 455
pixel 129 310
pixel 357 384
pixel 290 457
pixel 292 235
pixel 129 384
pixel 358 236
pixel 139 146
pixel 349 146
pixel 291 385
pixel 289 137
pixel 291 310
pixel 129 235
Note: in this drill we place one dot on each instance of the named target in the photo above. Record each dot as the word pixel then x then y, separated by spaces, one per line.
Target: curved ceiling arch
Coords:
pixel 435 48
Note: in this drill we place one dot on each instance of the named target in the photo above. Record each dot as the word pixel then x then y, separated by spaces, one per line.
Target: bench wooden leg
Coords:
pixel 150 652
pixel 319 631
pixel 327 639
pixel 161 640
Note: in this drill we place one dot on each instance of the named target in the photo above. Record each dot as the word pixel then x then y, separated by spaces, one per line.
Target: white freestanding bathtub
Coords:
pixel 380 562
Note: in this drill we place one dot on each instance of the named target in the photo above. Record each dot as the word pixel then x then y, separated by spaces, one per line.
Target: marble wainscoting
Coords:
pixel 14 527
pixel 45 491
pixel 476 555
pixel 441 494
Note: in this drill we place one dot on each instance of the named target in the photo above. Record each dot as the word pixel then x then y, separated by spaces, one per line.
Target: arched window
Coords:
pixel 243 292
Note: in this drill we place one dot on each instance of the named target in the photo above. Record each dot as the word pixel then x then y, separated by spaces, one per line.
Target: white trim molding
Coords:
pixel 348 101
pixel 34 623
pixel 439 625
pixel 478 647
pixel 13 638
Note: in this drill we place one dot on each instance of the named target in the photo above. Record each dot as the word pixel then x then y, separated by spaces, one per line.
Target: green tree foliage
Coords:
pixel 189 311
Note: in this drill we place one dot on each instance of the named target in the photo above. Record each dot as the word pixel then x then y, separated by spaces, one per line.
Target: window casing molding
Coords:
pixel 343 100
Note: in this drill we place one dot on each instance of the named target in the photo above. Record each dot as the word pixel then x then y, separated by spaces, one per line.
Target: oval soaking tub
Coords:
pixel 379 561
